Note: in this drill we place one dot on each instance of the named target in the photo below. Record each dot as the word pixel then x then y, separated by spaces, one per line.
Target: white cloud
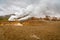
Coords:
pixel 12 6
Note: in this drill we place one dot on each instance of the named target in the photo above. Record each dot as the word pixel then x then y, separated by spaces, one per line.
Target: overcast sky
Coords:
pixel 12 6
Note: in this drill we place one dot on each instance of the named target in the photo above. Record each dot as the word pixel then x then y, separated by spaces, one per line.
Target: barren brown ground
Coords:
pixel 44 30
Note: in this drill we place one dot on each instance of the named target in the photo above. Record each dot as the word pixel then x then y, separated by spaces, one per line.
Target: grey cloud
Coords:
pixel 12 6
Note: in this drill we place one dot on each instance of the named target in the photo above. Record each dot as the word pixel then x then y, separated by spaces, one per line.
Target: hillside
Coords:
pixel 32 30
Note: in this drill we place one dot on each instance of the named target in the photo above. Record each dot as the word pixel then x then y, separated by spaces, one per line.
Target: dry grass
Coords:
pixel 47 30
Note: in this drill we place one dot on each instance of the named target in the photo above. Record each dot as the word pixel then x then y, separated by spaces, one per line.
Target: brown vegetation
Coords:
pixel 33 29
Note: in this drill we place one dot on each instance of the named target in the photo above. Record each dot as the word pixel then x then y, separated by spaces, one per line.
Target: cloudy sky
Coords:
pixel 12 6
